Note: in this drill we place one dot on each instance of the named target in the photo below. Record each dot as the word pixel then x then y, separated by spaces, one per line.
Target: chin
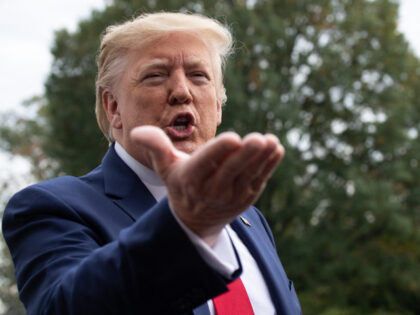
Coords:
pixel 186 146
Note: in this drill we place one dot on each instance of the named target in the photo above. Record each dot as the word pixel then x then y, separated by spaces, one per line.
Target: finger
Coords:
pixel 154 148
pixel 269 168
pixel 257 166
pixel 273 162
pixel 235 164
pixel 207 159
pixel 258 163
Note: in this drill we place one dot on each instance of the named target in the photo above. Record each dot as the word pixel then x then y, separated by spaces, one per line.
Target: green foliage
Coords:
pixel 8 289
pixel 338 84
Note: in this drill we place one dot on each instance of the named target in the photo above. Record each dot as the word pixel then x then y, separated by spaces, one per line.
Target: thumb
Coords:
pixel 156 148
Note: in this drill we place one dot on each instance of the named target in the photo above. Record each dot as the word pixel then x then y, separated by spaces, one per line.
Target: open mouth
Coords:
pixel 182 125
pixel 181 122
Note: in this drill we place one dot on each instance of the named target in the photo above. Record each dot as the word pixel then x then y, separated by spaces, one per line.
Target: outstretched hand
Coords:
pixel 210 187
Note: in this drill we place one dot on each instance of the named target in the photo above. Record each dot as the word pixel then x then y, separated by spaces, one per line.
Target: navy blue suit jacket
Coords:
pixel 101 244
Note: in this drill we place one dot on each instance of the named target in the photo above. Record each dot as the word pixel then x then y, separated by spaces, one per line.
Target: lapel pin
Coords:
pixel 245 221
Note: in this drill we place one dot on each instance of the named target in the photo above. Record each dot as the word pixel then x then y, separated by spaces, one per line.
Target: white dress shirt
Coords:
pixel 221 255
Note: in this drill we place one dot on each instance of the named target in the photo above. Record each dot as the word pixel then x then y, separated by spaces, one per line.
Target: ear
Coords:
pixel 219 113
pixel 112 110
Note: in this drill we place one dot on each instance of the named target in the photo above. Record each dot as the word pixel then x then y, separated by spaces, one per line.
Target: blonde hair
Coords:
pixel 146 28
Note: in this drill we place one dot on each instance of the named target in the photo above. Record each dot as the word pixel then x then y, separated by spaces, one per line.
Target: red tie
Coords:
pixel 233 302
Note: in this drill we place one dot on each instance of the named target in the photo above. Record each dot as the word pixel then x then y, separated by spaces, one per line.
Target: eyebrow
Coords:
pixel 191 62
pixel 152 64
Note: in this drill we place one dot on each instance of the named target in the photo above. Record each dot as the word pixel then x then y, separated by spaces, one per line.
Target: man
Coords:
pixel 155 228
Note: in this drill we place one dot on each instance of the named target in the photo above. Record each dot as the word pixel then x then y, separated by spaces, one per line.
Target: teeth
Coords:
pixel 181 121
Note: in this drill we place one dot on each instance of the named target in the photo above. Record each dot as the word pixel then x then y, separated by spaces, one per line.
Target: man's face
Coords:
pixel 170 84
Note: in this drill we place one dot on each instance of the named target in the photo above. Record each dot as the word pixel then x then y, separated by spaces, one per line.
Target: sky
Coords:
pixel 27 32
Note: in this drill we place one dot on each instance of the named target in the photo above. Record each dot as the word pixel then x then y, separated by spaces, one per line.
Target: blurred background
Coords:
pixel 338 81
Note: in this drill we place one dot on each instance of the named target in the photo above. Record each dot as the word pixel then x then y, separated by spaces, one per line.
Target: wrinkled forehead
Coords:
pixel 174 48
pixel 176 40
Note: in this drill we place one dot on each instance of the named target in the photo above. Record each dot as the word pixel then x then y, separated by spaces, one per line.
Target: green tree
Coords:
pixel 8 289
pixel 338 84
pixel 9 303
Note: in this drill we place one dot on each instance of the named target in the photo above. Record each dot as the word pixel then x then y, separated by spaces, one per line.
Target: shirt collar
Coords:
pixel 149 177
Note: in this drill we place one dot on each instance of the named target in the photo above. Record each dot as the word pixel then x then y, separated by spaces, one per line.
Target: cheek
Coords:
pixel 209 110
pixel 211 122
pixel 150 99
pixel 145 98
pixel 146 111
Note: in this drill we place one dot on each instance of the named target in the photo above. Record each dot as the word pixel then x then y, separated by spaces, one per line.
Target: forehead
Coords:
pixel 174 48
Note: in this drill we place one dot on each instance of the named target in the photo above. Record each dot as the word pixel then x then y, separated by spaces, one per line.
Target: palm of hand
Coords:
pixel 209 188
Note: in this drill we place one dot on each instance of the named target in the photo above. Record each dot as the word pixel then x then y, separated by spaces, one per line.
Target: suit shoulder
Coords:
pixel 47 187
pixel 42 194
pixel 63 184
pixel 53 194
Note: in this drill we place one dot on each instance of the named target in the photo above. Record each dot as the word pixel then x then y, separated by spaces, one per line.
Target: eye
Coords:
pixel 154 77
pixel 199 76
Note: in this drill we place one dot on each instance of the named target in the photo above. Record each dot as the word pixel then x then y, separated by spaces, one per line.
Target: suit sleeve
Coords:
pixel 63 266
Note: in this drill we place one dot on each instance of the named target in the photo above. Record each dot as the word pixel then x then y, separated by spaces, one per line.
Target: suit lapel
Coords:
pixel 124 187
pixel 129 193
pixel 255 239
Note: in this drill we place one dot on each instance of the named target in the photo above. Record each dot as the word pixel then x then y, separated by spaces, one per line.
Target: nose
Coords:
pixel 179 92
